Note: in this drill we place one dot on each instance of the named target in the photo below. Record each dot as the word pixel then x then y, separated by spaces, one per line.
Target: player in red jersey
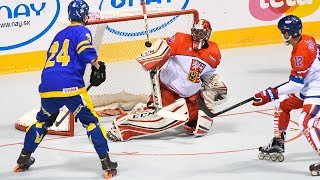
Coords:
pixel 304 79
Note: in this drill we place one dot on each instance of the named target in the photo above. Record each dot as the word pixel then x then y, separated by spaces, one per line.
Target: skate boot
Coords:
pixel 24 162
pixel 273 150
pixel 315 169
pixel 109 167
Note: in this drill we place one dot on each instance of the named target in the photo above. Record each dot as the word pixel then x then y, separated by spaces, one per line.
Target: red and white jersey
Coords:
pixel 186 67
pixel 305 64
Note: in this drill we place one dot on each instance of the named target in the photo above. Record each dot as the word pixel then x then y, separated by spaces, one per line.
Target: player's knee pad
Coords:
pixel 149 122
pixel 202 127
pixel 98 137
pixel 53 118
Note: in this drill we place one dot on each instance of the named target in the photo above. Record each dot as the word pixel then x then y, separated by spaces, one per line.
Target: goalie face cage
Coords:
pixel 119 37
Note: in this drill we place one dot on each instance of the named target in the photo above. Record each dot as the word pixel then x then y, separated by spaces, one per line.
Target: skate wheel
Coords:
pixel 314 173
pixel 267 156
pixel 274 157
pixel 110 173
pixel 17 168
pixel 261 156
pixel 281 158
pixel 107 175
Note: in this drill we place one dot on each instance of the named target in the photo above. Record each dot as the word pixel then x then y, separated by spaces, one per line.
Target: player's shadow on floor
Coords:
pixel 270 71
pixel 256 166
pixel 311 157
pixel 217 128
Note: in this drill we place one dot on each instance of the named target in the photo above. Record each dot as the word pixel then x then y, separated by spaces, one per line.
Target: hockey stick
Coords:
pixel 145 17
pixel 204 108
pixel 154 74
pixel 67 113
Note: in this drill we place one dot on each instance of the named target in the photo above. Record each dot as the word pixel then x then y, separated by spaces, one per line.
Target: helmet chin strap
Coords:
pixel 286 41
pixel 197 45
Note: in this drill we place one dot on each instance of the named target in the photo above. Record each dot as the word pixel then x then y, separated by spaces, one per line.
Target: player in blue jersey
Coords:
pixel 62 84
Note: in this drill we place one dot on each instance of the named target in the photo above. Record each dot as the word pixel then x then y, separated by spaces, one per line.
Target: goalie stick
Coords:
pixel 204 108
pixel 67 113
pixel 145 17
pixel 154 74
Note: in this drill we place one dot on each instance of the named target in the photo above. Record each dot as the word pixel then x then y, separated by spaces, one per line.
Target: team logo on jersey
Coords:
pixel 195 70
pixel 70 90
pixel 298 61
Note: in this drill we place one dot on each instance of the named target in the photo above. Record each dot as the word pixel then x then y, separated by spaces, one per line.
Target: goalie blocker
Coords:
pixel 156 56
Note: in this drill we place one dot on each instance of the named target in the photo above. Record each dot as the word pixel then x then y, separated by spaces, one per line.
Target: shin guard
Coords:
pixel 97 136
pixel 35 134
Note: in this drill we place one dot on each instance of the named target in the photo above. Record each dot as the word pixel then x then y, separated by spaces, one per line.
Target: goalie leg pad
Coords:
pixel 148 122
pixel 204 124
pixel 202 127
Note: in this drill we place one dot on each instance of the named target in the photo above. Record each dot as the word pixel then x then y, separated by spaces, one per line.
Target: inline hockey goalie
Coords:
pixel 176 83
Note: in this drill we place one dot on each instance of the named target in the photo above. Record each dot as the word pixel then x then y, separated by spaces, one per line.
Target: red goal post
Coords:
pixel 119 38
pixel 152 15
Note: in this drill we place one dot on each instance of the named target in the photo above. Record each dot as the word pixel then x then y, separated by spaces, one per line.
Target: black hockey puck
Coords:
pixel 148 44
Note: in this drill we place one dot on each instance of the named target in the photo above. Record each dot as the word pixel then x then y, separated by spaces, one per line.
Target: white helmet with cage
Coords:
pixel 200 32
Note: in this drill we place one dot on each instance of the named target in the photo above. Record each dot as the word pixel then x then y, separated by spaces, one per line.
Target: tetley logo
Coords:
pixel 111 5
pixel 23 22
pixel 269 10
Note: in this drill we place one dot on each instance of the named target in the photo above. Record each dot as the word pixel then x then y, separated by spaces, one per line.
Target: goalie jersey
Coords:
pixel 69 53
pixel 186 67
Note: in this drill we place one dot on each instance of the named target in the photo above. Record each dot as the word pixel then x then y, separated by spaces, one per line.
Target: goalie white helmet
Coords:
pixel 200 32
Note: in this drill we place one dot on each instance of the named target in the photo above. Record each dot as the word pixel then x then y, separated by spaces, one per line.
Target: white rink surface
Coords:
pixel 228 152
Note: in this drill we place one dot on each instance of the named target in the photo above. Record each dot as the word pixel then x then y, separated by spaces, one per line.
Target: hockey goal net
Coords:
pixel 119 37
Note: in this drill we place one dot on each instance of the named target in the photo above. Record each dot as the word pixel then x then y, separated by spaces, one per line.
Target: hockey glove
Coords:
pixel 263 97
pixel 98 76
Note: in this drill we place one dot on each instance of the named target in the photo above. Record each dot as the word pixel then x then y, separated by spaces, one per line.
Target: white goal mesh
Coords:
pixel 119 38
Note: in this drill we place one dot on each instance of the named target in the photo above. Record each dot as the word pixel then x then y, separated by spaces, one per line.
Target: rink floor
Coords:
pixel 229 151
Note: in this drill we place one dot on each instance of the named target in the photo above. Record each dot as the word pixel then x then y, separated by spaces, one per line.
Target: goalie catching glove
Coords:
pixel 156 56
pixel 214 91
pixel 98 76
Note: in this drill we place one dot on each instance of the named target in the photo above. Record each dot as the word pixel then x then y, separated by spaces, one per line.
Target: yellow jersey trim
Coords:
pixel 54 94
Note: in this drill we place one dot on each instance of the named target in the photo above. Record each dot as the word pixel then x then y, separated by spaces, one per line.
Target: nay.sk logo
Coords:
pixel 121 5
pixel 269 10
pixel 23 22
